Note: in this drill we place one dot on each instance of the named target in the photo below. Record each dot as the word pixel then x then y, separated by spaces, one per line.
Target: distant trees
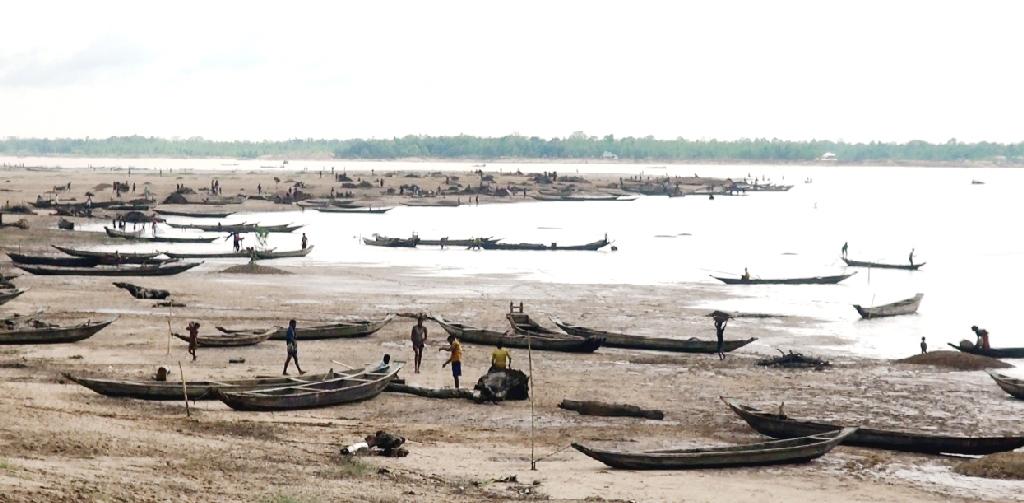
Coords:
pixel 576 146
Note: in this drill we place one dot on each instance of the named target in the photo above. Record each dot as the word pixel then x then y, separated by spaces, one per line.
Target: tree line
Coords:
pixel 576 146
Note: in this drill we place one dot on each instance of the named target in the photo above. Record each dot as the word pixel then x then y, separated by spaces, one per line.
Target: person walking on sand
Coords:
pixel 419 340
pixel 500 359
pixel 293 348
pixel 846 248
pixel 193 338
pixel 721 320
pixel 455 358
pixel 924 346
pixel 304 241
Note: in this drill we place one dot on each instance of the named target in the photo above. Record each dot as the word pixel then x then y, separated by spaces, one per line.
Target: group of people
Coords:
pixel 500 357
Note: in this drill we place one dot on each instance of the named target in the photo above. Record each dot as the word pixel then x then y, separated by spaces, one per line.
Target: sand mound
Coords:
pixel 253 268
pixel 1001 465
pixel 955 360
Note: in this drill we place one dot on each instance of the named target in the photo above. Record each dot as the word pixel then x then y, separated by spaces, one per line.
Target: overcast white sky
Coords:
pixel 852 70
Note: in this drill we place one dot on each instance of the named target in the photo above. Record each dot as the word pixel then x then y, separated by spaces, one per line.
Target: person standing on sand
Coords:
pixel 924 346
pixel 455 348
pixel 419 340
pixel 193 338
pixel 293 348
pixel 846 248
pixel 721 320
pixel 304 241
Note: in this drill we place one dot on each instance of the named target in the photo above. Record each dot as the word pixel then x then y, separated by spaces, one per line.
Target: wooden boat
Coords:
pixel 258 254
pixel 814 280
pixel 457 242
pixel 545 196
pixel 65 261
pixel 355 209
pixel 905 306
pixel 993 352
pixel 232 254
pixel 117 233
pixel 65 224
pixel 111 270
pixel 616 340
pixel 114 256
pixel 239 228
pixel 197 390
pixel 778 426
pixel 52 334
pixel 8 295
pixel 775 452
pixel 878 265
pixel 338 330
pixel 473 335
pixel 346 388
pixel 230 340
pixel 128 207
pixel 494 245
pixel 441 203
pixel 1011 385
pixel 193 214
pixel 391 242
pixel 270 254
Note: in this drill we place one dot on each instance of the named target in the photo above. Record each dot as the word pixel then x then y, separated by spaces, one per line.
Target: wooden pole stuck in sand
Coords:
pixel 184 390
pixel 529 358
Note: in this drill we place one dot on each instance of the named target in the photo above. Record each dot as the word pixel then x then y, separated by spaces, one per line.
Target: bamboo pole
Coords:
pixel 529 357
pixel 184 390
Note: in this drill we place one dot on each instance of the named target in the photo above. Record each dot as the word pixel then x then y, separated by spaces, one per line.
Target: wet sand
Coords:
pixel 62 442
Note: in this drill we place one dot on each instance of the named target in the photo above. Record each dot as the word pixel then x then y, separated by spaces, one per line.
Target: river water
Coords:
pixel 963 231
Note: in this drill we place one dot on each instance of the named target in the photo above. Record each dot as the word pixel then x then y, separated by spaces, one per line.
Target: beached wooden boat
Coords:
pixel 814 280
pixel 337 330
pixel 993 352
pixel 457 242
pixel 510 339
pixel 9 294
pixel 494 245
pixel 232 254
pixel 230 340
pixel 783 426
pixel 347 388
pixel 616 340
pixel 107 257
pixel 117 233
pixel 44 333
pixel 249 254
pixel 197 390
pixel 437 203
pixel 356 209
pixel 270 254
pixel 239 228
pixel 568 197
pixel 391 242
pixel 65 224
pixel 776 452
pixel 195 214
pixel 878 265
pixel 905 306
pixel 1011 385
pixel 65 261
pixel 111 270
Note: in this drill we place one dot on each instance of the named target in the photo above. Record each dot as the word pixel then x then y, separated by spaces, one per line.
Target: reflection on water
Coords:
pixel 965 232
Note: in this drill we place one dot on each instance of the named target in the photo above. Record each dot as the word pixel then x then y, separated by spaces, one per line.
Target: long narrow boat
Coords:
pixel 457 242
pixel 117 233
pixel 993 352
pixel 781 426
pixel 232 254
pixel 239 228
pixel 565 197
pixel 19 258
pixel 194 214
pixel 596 245
pixel 52 334
pixel 473 335
pixel 197 390
pixel 337 330
pixel 230 340
pixel 905 306
pixel 270 254
pixel 878 265
pixel 111 270
pixel 8 295
pixel 356 209
pixel 617 340
pixel 814 280
pixel 1011 385
pixel 776 452
pixel 113 256
pixel 258 254
pixel 391 242
pixel 440 203
pixel 349 388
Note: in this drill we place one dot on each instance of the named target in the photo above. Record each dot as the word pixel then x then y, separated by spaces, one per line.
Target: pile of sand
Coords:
pixel 1001 465
pixel 253 268
pixel 956 360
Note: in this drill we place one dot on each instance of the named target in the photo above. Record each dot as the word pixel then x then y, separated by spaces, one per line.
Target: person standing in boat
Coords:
pixel 982 337
pixel 455 358
pixel 193 338
pixel 911 257
pixel 846 248
pixel 293 348
pixel 419 340
pixel 721 320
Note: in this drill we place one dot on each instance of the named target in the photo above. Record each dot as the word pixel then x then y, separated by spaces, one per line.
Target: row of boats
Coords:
pixel 818 280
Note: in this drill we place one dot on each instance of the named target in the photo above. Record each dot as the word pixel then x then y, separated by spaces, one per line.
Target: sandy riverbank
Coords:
pixel 61 442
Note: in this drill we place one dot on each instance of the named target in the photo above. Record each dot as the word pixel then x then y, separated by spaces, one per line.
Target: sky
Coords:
pixel 852 71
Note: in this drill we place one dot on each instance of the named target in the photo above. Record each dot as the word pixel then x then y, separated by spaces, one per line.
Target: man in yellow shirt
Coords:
pixel 455 348
pixel 500 358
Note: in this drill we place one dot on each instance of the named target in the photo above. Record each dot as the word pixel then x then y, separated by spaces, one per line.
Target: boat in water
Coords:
pixel 879 265
pixel 905 306
pixel 813 280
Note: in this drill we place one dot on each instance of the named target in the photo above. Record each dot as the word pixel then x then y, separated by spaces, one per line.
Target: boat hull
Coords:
pixel 615 340
pixel 53 335
pixel 814 280
pixel 907 306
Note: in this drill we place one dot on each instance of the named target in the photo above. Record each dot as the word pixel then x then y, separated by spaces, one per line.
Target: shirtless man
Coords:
pixel 419 340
